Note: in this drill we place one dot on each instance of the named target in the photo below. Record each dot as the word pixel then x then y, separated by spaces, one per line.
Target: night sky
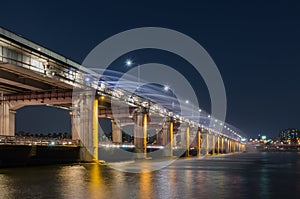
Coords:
pixel 256 46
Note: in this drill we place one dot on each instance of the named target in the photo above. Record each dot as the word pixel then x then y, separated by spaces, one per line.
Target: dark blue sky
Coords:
pixel 256 46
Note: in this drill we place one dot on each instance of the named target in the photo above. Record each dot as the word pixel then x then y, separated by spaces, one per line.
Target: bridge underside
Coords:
pixel 17 80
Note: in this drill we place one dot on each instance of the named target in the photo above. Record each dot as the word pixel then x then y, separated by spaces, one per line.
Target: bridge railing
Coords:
pixel 28 140
pixel 31 45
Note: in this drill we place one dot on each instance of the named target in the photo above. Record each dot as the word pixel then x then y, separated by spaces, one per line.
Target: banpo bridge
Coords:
pixel 33 75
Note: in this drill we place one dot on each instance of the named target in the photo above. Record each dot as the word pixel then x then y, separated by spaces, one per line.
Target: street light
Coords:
pixel 128 62
pixel 166 88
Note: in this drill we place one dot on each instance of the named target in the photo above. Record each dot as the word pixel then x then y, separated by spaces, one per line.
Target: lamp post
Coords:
pixel 168 88
pixel 129 63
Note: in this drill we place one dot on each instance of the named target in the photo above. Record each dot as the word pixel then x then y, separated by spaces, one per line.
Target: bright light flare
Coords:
pixel 128 62
pixel 166 88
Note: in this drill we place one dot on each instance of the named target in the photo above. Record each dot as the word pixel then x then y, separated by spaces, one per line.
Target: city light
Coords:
pixel 87 79
pixel 102 98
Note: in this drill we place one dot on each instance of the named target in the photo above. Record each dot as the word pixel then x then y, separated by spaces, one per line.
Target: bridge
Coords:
pixel 31 74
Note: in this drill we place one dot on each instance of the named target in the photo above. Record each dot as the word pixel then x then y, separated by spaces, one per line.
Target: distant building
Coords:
pixel 289 136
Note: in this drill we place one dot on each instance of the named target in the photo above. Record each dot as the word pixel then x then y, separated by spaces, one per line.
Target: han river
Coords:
pixel 234 176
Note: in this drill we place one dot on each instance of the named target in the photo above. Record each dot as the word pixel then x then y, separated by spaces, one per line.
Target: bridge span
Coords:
pixel 31 74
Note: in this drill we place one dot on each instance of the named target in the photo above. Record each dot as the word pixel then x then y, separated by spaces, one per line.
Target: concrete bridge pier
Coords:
pixel 74 130
pixel 234 146
pixel 199 142
pixel 164 141
pixel 168 140
pixel 213 149
pixel 219 145
pixel 185 138
pixel 140 134
pixel 243 148
pixel 85 125
pixel 205 136
pixel 193 136
pixel 187 141
pixel 229 145
pixel 7 119
pixel 116 132
pixel 222 145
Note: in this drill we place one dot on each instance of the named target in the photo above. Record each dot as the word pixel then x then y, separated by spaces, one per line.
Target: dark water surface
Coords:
pixel 249 175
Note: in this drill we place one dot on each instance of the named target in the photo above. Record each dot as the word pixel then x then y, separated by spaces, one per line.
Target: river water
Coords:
pixel 247 175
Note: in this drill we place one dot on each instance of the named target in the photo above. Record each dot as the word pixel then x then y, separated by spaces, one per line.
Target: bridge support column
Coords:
pixel 213 144
pixel 222 145
pixel 157 136
pixel 116 132
pixel 229 145
pixel 12 117
pixel 185 137
pixel 234 146
pixel 218 147
pixel 165 139
pixel 198 143
pixel 174 136
pixel 140 135
pixel 207 144
pixel 182 136
pixel 7 119
pixel 241 147
pixel 85 125
pixel 75 135
pixel 187 141
pixel 168 138
pixel 95 131
pixel 172 141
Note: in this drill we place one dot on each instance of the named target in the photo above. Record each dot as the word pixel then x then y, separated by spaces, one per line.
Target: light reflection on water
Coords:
pixel 261 175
